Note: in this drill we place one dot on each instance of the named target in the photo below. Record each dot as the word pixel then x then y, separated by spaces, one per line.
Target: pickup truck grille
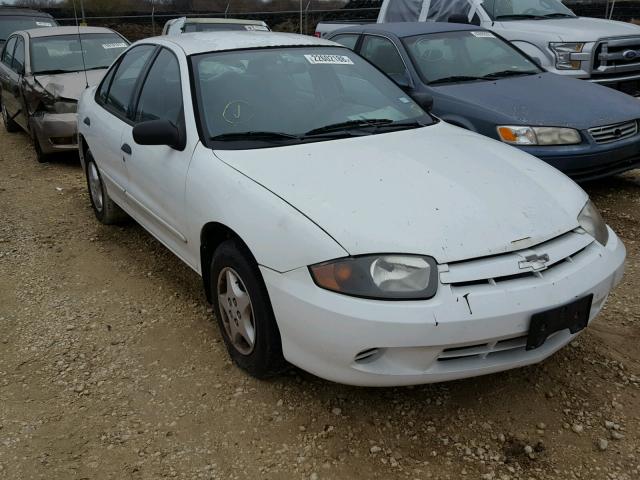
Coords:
pixel 613 133
pixel 617 56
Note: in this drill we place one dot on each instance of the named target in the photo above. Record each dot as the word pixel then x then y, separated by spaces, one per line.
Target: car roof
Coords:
pixel 409 29
pixel 55 31
pixel 17 11
pixel 238 21
pixel 194 43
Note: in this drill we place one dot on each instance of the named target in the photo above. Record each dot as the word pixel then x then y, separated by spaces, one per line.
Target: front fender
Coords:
pixel 279 236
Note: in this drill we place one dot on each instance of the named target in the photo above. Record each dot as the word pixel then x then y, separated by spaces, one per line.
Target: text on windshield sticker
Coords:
pixel 256 28
pixel 109 46
pixel 328 59
pixel 44 24
pixel 481 34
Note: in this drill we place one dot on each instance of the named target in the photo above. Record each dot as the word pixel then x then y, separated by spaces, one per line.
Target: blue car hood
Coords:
pixel 544 99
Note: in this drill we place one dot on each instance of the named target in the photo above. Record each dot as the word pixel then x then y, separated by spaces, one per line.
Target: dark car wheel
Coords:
pixel 243 312
pixel 40 155
pixel 9 124
pixel 105 209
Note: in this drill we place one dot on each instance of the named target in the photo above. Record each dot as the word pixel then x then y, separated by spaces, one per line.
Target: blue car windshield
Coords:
pixel 466 56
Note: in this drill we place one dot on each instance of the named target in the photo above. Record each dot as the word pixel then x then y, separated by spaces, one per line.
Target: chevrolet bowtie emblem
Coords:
pixel 535 262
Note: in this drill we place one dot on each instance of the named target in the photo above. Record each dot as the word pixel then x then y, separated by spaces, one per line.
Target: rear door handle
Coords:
pixel 126 149
pixel 87 121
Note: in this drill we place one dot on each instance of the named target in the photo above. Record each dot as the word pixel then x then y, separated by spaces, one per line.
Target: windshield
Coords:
pixel 518 9
pixel 466 56
pixel 10 24
pixel 267 97
pixel 62 53
pixel 219 27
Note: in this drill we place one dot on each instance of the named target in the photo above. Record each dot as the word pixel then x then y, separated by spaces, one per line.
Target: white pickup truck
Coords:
pixel 603 51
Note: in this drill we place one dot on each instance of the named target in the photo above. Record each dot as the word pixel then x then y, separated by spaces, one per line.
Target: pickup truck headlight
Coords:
pixel 383 277
pixel 593 223
pixel 564 55
pixel 519 135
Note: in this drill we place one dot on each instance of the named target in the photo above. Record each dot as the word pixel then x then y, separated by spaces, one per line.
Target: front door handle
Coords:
pixel 126 148
pixel 87 121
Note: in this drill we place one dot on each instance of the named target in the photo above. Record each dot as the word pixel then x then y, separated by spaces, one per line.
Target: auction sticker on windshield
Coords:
pixel 109 46
pixel 328 59
pixel 44 24
pixel 481 34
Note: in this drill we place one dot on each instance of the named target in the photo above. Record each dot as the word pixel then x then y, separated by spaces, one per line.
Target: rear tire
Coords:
pixel 105 209
pixel 243 312
pixel 9 125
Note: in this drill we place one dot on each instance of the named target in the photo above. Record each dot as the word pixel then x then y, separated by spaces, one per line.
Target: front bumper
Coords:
pixel 589 161
pixel 56 132
pixel 329 334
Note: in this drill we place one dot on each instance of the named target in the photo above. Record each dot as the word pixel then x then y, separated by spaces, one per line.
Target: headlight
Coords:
pixel 385 277
pixel 593 223
pixel 65 107
pixel 564 55
pixel 517 135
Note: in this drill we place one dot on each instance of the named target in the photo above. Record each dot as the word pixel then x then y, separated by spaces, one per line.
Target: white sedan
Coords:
pixel 336 224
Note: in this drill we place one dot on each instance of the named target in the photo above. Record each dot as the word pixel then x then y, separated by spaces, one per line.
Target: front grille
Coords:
pixel 531 264
pixel 616 56
pixel 613 133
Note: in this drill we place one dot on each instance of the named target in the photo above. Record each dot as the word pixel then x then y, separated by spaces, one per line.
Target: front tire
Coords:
pixel 243 312
pixel 40 155
pixel 9 125
pixel 105 209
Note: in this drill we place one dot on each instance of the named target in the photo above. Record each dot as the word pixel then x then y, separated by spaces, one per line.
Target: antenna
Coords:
pixel 84 63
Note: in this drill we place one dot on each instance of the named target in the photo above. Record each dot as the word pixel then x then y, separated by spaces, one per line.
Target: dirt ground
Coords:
pixel 111 367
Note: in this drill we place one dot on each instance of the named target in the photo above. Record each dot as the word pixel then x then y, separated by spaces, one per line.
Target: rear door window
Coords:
pixel 18 57
pixel 7 54
pixel 126 78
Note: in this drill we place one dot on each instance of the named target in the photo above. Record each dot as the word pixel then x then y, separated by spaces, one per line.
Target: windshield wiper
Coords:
pixel 351 124
pixel 266 136
pixel 559 15
pixel 53 72
pixel 456 78
pixel 521 15
pixel 510 73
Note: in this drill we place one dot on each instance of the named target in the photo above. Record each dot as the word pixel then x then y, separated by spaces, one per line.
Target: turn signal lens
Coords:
pixel 519 135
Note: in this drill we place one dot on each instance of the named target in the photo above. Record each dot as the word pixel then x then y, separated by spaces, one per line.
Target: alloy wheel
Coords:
pixel 236 311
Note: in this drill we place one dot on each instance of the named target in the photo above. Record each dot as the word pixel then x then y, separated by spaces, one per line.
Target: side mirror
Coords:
pixel 423 99
pixel 158 132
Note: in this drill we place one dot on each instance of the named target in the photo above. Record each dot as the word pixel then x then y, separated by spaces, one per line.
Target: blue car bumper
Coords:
pixel 589 161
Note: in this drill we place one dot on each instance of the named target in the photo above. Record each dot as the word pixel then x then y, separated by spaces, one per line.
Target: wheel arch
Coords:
pixel 212 235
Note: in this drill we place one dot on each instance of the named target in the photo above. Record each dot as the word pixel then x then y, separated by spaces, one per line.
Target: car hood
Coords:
pixel 545 99
pixel 68 85
pixel 582 29
pixel 439 191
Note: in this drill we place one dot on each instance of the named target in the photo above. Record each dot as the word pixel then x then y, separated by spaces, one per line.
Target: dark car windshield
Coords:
pixel 63 53
pixel 466 56
pixel 266 97
pixel 526 9
pixel 10 24
pixel 220 27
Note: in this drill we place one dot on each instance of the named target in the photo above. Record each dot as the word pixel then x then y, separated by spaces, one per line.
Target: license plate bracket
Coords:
pixel 573 316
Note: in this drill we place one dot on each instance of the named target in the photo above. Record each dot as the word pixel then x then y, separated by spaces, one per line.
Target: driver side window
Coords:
pixel 384 55
pixel 18 57
pixel 7 54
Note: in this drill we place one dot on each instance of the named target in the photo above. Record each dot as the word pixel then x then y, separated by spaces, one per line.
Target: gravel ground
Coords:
pixel 111 367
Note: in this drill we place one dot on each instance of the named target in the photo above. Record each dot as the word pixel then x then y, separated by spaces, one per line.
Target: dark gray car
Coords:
pixel 43 72
pixel 482 83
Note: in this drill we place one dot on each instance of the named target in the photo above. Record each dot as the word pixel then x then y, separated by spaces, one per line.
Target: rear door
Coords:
pixel 8 78
pixel 106 123
pixel 157 174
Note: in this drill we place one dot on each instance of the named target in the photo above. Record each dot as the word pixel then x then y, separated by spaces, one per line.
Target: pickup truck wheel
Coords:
pixel 243 312
pixel 9 124
pixel 105 209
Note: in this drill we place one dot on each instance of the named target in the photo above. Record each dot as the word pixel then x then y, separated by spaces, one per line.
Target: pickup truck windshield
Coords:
pixel 466 56
pixel 270 97
pixel 10 24
pixel 62 53
pixel 526 9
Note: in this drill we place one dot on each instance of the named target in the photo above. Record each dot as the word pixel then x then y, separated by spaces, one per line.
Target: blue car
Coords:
pixel 481 82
